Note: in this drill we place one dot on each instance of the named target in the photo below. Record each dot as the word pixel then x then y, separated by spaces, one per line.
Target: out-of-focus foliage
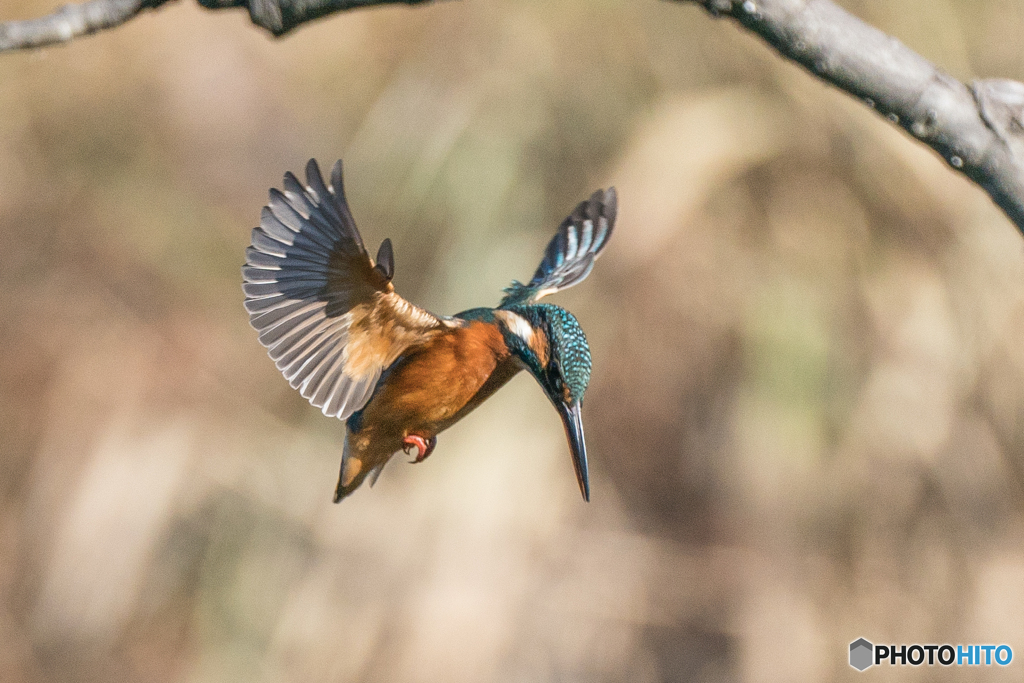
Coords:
pixel 806 419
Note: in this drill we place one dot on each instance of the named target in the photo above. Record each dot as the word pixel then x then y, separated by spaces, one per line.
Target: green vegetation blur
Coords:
pixel 806 418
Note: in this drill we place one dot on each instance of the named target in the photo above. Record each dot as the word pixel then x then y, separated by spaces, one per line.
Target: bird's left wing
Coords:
pixel 571 253
pixel 328 315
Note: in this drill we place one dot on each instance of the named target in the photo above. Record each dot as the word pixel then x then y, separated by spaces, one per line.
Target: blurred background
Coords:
pixel 806 419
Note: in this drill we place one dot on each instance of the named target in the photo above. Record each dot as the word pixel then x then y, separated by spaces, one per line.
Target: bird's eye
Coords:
pixel 555 372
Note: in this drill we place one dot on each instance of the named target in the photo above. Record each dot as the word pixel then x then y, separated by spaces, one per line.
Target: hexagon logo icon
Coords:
pixel 861 654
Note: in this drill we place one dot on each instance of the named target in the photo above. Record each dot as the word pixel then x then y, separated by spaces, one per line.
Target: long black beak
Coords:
pixel 573 421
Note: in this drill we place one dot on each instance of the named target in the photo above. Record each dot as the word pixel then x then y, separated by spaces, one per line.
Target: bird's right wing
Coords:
pixel 570 255
pixel 328 315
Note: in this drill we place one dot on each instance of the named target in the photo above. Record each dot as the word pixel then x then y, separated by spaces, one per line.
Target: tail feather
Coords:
pixel 355 471
pixel 355 475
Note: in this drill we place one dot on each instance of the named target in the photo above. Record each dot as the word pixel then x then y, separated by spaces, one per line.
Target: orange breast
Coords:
pixel 441 382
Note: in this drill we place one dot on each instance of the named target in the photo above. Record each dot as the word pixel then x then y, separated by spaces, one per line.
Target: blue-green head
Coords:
pixel 550 343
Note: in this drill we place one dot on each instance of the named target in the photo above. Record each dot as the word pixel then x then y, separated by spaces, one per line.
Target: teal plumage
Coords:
pixel 570 345
pixel 569 350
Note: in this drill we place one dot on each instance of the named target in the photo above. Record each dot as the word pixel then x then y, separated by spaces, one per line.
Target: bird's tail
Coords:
pixel 353 472
pixel 351 475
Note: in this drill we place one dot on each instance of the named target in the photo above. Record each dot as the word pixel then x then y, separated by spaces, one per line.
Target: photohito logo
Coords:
pixel 863 654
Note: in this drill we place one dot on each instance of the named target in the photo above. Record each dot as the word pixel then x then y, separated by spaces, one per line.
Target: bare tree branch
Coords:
pixel 71 21
pixel 978 128
pixel 281 16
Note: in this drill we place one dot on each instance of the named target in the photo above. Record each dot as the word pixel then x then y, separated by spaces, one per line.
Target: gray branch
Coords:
pixel 281 16
pixel 70 22
pixel 978 128
pixel 277 16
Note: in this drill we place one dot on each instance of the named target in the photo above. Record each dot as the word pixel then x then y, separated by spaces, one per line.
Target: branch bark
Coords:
pixel 978 128
pixel 281 16
pixel 72 21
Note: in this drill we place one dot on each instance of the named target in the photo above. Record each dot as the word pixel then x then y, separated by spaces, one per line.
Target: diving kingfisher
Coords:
pixel 395 373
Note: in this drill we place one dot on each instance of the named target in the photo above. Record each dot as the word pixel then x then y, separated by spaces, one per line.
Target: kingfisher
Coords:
pixel 396 374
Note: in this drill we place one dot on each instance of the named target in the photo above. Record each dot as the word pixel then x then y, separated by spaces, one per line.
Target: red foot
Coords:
pixel 423 446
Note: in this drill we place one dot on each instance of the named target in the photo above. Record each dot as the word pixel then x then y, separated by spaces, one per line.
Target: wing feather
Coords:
pixel 295 193
pixel 571 253
pixel 331 322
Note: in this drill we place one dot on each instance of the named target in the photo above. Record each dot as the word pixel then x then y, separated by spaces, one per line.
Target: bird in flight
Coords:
pixel 395 373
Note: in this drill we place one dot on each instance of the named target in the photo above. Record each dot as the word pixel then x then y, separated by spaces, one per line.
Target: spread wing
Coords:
pixel 329 316
pixel 570 255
